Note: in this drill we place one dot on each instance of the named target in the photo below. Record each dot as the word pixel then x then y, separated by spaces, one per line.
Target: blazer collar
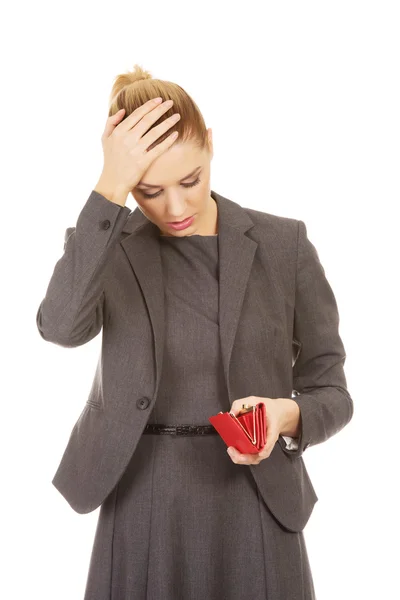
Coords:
pixel 230 214
pixel 236 254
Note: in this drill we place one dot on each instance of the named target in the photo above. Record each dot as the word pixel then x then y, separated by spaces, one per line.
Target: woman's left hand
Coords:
pixel 276 412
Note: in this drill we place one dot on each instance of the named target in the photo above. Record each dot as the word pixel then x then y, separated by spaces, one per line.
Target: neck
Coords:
pixel 210 226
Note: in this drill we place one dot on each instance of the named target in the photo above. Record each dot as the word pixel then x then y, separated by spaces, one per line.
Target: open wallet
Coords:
pixel 246 431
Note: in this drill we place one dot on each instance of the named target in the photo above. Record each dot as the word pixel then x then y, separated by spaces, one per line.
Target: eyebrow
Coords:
pixel 148 185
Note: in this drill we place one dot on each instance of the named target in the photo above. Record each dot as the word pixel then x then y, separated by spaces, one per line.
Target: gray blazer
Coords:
pixel 278 332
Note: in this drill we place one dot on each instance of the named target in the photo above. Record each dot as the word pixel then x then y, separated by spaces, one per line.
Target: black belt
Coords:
pixel 180 429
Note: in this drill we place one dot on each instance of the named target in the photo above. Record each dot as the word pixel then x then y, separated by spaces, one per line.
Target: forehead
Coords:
pixel 173 165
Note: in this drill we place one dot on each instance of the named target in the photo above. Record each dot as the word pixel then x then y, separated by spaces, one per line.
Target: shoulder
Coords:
pixel 273 227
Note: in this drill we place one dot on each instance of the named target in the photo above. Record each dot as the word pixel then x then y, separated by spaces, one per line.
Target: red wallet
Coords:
pixel 246 431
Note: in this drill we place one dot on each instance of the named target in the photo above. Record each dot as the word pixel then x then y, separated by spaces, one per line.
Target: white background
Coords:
pixel 303 99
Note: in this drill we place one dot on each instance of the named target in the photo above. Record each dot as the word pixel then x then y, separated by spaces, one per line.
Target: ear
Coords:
pixel 210 142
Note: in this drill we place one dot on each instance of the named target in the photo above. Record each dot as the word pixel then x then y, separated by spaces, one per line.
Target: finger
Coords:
pixel 161 147
pixel 272 435
pixel 267 448
pixel 112 122
pixel 237 404
pixel 144 116
pixel 234 454
pixel 240 458
pixel 156 132
pixel 264 453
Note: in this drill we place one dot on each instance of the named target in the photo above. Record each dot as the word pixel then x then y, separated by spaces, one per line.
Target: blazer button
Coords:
pixel 105 224
pixel 142 403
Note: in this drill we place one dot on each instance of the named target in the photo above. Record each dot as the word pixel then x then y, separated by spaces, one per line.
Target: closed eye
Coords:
pixel 186 185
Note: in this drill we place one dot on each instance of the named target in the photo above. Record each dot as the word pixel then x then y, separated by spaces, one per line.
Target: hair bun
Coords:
pixel 125 80
pixel 138 74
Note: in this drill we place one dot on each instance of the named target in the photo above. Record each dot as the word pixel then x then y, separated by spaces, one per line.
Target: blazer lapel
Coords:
pixel 236 255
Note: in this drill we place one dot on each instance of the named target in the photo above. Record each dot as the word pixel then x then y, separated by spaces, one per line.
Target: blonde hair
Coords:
pixel 132 89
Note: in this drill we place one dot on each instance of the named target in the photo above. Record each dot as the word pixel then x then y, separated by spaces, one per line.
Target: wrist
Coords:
pixel 290 423
pixel 111 192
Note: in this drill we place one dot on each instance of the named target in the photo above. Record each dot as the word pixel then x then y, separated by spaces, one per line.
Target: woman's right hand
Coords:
pixel 126 158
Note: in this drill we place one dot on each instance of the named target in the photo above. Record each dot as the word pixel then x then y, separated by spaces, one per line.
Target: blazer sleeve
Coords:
pixel 71 313
pixel 318 371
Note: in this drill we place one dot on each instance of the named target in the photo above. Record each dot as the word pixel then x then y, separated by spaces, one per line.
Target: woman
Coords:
pixel 229 308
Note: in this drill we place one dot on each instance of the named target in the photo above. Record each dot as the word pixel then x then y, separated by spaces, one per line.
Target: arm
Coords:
pixel 71 312
pixel 318 372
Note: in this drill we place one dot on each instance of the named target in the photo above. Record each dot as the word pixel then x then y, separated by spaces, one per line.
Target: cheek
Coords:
pixel 204 184
pixel 199 194
pixel 138 201
pixel 153 214
pixel 149 210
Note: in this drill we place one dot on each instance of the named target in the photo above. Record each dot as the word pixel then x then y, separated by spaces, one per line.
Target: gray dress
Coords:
pixel 185 522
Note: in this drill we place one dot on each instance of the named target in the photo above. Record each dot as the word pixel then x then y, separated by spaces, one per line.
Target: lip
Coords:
pixel 182 224
pixel 179 222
